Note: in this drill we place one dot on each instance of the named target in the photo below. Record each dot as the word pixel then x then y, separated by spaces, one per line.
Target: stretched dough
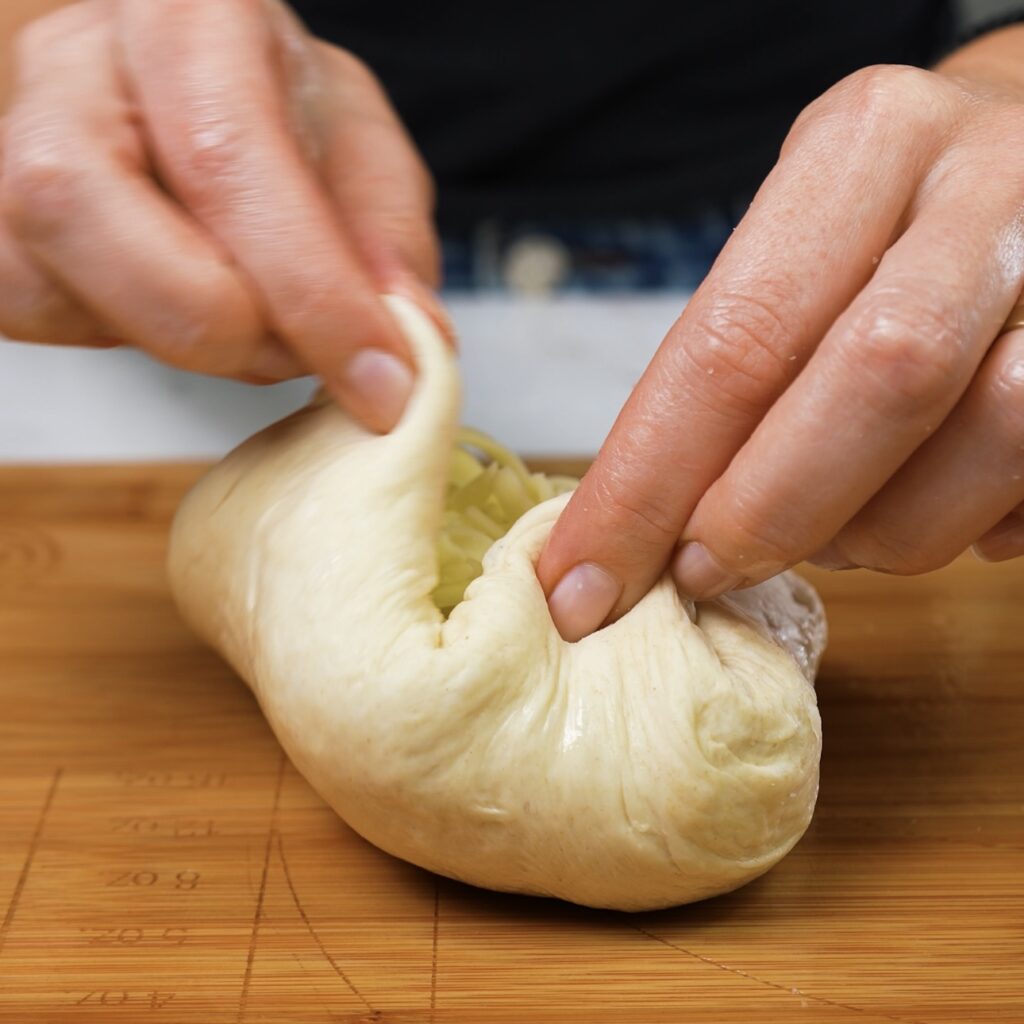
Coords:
pixel 668 757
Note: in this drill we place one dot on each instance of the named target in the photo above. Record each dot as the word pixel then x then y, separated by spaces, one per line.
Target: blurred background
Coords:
pixel 546 365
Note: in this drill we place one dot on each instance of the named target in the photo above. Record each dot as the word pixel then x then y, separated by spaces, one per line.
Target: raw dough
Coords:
pixel 668 757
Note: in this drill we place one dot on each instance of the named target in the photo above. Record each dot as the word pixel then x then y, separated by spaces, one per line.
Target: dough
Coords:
pixel 671 756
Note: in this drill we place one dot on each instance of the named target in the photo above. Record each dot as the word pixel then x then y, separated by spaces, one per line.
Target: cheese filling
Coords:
pixel 489 488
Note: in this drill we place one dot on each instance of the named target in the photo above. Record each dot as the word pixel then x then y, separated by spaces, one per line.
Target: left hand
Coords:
pixel 838 388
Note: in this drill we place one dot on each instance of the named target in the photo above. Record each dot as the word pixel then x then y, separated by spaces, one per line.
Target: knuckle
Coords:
pixel 31 39
pixel 43 314
pixel 208 153
pixel 353 67
pixel 876 99
pixel 211 329
pixel 640 518
pixel 40 185
pixel 912 352
pixel 38 35
pixel 881 93
pixel 195 338
pixel 740 347
pixel 1007 391
pixel 750 543
pixel 172 14
pixel 33 43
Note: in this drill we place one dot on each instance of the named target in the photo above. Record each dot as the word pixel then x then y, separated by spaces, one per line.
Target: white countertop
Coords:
pixel 546 376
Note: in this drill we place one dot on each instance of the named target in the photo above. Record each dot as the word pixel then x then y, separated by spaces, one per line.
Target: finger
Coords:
pixel 962 481
pixel 380 184
pixel 808 244
pixel 349 129
pixel 1005 540
pixel 884 379
pixel 77 196
pixel 33 307
pixel 209 80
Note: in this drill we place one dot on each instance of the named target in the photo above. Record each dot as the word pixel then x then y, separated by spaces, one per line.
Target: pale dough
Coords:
pixel 668 757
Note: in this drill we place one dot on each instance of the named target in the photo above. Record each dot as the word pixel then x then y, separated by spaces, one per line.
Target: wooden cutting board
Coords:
pixel 161 861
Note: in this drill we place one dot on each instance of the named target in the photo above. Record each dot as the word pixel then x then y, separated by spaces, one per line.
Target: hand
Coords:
pixel 838 386
pixel 210 183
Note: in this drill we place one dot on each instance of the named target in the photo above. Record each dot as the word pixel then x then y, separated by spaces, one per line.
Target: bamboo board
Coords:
pixel 160 861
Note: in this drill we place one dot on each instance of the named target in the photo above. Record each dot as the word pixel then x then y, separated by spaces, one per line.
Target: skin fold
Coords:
pixel 210 183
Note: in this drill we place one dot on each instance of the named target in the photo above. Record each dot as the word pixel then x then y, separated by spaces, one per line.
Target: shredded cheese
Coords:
pixel 489 488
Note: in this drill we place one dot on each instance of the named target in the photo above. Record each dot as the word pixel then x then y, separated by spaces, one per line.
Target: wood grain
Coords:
pixel 161 861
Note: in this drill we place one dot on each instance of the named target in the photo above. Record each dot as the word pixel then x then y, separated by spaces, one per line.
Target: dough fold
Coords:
pixel 671 756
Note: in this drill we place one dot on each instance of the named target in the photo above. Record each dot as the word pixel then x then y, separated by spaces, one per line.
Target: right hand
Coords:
pixel 210 183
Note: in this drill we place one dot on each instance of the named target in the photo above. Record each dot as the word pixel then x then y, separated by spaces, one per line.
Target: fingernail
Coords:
pixel 699 576
pixel 979 554
pixel 1001 544
pixel 381 384
pixel 437 310
pixel 831 558
pixel 431 304
pixel 273 363
pixel 582 600
pixel 405 282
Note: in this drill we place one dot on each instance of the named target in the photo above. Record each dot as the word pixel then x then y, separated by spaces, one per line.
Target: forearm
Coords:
pixel 13 15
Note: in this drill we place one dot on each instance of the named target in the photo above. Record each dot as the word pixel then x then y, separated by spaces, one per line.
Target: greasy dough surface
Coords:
pixel 668 757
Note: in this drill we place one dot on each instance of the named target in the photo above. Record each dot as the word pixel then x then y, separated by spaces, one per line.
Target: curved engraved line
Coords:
pixel 312 931
pixel 30 856
pixel 250 959
pixel 433 950
pixel 790 991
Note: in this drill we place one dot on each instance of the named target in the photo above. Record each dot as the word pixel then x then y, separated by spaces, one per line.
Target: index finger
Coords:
pixel 210 81
pixel 808 244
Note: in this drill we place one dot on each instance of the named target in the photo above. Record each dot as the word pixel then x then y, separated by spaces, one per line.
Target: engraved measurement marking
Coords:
pixel 30 856
pixel 335 966
pixel 172 828
pixel 134 936
pixel 182 880
pixel 250 959
pixel 140 878
pixel 787 989
pixel 433 950
pixel 151 1000
pixel 172 779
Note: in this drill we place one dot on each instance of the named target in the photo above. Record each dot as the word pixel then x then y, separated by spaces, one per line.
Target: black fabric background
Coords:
pixel 641 108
